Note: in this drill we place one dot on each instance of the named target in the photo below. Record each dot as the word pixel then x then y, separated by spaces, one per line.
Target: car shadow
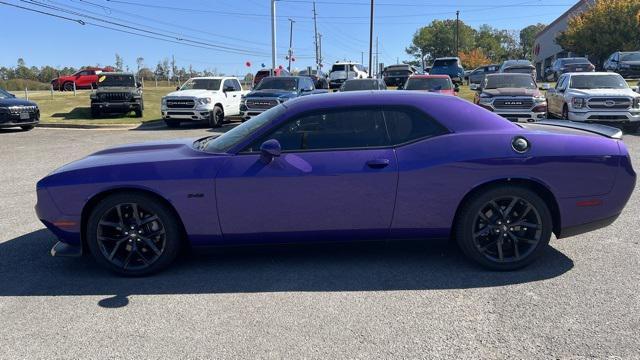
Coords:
pixel 27 269
pixel 159 125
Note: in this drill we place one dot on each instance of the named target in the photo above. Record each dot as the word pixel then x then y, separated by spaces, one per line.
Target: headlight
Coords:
pixel 204 101
pixel 539 99
pixel 164 101
pixel 578 102
pixel 636 103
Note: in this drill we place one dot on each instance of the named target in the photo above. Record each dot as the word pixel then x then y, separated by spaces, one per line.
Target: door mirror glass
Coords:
pixel 270 149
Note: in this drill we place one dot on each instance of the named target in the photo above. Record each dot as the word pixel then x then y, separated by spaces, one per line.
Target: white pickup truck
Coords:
pixel 595 97
pixel 210 99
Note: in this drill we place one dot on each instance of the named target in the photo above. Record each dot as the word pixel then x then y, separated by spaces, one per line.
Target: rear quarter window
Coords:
pixel 406 124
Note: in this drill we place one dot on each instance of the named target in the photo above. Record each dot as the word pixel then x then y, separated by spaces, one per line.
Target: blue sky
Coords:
pixel 240 30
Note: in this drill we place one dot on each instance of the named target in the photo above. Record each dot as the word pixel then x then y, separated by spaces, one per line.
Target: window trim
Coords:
pixel 382 108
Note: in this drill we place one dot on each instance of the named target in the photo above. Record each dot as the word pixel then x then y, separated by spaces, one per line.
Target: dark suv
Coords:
pixel 626 64
pixel 565 65
pixel 16 112
pixel 117 93
pixel 448 66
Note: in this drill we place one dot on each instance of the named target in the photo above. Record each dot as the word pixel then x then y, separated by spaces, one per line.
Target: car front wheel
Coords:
pixel 133 234
pixel 504 228
pixel 216 117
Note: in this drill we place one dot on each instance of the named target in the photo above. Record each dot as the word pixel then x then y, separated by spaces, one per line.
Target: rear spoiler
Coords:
pixel 604 130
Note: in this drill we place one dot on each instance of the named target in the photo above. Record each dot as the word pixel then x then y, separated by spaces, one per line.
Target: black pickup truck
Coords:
pixel 275 90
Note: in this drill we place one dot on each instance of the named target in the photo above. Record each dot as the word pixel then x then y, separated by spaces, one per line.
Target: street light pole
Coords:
pixel 457 31
pixel 371 40
pixel 290 43
pixel 273 37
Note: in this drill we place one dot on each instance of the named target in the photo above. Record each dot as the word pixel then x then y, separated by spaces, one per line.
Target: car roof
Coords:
pixel 598 73
pixel 447 58
pixel 354 80
pixel 457 114
pixel 507 74
pixel 116 73
pixel 211 77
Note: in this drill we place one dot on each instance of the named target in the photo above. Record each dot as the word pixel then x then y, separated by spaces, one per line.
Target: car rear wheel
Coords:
pixel 216 117
pixel 504 228
pixel 138 113
pixel 133 234
pixel 68 86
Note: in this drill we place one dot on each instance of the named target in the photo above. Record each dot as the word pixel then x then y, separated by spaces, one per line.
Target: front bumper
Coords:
pixel 337 83
pixel 605 116
pixel 186 114
pixel 521 116
pixel 14 120
pixel 115 107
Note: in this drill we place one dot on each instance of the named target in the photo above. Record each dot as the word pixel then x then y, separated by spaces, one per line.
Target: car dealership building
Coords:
pixel 545 48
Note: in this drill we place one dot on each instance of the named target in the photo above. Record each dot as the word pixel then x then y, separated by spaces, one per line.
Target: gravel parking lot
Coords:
pixel 407 300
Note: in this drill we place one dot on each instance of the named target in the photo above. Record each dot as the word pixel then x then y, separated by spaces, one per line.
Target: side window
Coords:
pixel 236 84
pixel 560 82
pixel 227 84
pixel 407 124
pixel 330 129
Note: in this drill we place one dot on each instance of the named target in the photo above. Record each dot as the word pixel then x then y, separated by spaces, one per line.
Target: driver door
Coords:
pixel 336 177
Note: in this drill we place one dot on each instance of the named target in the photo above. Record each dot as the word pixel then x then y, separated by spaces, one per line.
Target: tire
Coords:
pixel 135 249
pixel 68 86
pixel 171 123
pixel 138 113
pixel 506 246
pixel 216 117
pixel 632 128
pixel 27 127
pixel 565 113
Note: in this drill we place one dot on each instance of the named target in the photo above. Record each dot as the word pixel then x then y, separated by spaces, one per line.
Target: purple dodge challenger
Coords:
pixel 360 165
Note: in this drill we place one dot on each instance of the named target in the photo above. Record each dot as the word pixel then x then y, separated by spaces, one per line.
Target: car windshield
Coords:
pixel 116 80
pixel 613 81
pixel 574 61
pixel 202 84
pixel 278 84
pixel 354 85
pixel 509 81
pixel 400 72
pixel 445 63
pixel 428 84
pixel 5 95
pixel 226 141
pixel 306 73
pixel 634 56
pixel 519 69
pixel 342 67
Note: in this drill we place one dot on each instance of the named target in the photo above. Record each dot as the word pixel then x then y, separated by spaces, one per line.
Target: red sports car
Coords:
pixel 84 79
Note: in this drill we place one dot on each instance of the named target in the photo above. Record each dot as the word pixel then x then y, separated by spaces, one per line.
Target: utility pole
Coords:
pixel 362 57
pixel 457 31
pixel 370 39
pixel 315 34
pixel 377 58
pixel 290 43
pixel 273 37
pixel 319 52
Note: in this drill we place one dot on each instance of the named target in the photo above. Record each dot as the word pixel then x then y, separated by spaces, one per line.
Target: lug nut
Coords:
pixel 126 233
pixel 510 229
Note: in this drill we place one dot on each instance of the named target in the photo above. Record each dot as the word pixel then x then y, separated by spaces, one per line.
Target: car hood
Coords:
pixel 16 102
pixel 111 89
pixel 195 93
pixel 512 92
pixel 604 92
pixel 155 151
pixel 271 93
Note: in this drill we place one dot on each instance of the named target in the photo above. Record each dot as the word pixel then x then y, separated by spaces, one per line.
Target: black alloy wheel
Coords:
pixel 504 228
pixel 68 86
pixel 133 234
pixel 216 117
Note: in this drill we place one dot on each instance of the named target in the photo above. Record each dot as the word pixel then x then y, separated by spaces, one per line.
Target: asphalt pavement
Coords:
pixel 367 300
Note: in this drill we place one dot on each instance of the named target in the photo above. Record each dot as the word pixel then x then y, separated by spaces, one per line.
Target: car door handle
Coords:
pixel 378 163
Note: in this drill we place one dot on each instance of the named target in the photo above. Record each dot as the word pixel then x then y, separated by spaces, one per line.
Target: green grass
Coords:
pixel 64 107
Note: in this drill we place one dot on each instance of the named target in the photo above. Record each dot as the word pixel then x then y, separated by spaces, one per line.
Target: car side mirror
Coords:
pixel 456 88
pixel 139 85
pixel 177 88
pixel 269 150
pixel 545 87
pixel 474 87
pixel 636 88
